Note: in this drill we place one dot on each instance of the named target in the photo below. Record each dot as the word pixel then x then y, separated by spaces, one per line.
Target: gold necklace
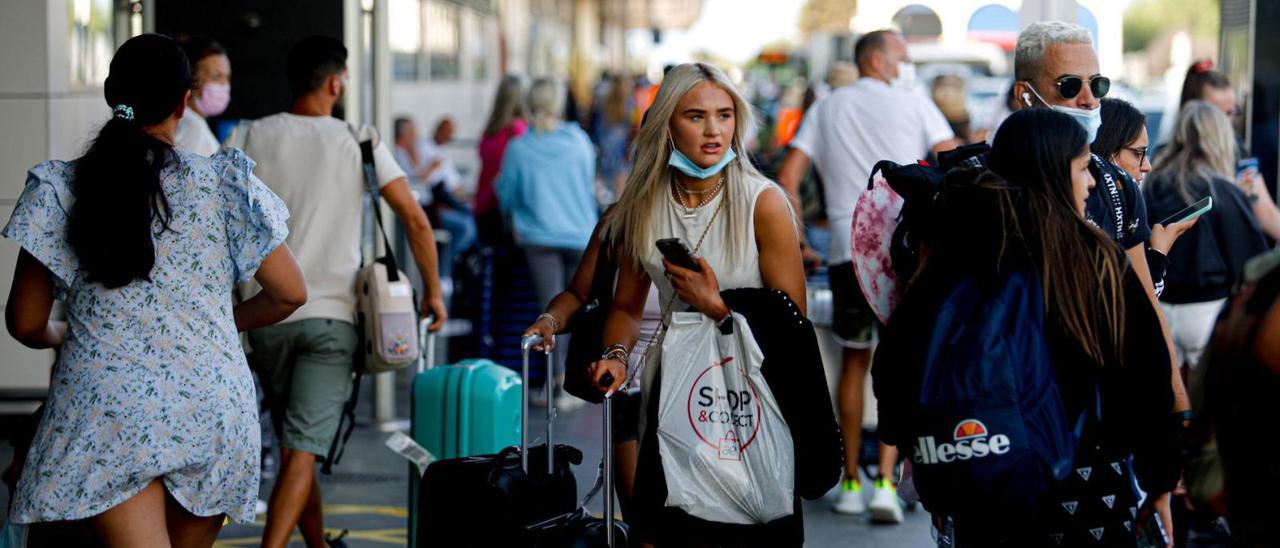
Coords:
pixel 680 192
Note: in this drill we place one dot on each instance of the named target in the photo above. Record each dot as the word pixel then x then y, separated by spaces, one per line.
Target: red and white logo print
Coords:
pixel 725 420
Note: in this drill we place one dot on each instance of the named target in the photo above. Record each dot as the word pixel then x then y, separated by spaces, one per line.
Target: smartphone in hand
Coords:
pixel 1246 165
pixel 677 251
pixel 1190 212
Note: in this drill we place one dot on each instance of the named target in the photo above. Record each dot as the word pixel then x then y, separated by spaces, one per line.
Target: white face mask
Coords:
pixel 1090 120
pixel 906 76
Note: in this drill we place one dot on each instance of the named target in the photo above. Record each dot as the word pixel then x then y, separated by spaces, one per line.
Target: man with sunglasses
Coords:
pixel 1056 67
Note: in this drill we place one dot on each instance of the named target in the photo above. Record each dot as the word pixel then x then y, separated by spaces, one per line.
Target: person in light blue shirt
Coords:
pixel 547 188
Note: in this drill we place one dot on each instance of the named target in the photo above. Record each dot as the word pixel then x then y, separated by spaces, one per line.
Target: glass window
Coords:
pixel 405 37
pixel 478 30
pixel 92 41
pixel 443 50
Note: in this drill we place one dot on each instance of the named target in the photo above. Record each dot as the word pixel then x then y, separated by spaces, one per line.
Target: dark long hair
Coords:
pixel 118 195
pixel 1199 76
pixel 1023 210
pixel 1121 125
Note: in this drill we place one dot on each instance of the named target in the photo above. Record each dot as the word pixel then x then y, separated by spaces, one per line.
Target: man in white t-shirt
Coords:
pixel 312 161
pixel 844 135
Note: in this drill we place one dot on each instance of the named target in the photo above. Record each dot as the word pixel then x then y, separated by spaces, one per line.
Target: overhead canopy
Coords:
pixel 653 14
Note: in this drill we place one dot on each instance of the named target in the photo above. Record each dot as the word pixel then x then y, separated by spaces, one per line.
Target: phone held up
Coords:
pixel 1246 165
pixel 1190 212
pixel 677 251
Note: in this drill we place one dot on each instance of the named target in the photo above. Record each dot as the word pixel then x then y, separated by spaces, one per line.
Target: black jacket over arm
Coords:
pixel 793 369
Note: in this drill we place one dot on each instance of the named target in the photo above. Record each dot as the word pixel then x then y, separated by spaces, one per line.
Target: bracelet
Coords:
pixel 555 324
pixel 620 359
pixel 617 352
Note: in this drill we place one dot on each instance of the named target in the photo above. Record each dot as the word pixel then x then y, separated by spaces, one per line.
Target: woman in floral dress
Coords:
pixel 150 433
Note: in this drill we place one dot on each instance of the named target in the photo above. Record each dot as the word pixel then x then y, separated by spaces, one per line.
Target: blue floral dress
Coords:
pixel 151 381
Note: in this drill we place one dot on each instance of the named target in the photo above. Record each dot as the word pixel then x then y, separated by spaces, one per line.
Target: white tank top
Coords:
pixel 732 272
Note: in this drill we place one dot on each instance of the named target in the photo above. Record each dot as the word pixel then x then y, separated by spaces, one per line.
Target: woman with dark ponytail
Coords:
pixel 150 433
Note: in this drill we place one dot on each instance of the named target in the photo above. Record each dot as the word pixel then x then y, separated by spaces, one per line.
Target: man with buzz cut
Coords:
pixel 312 161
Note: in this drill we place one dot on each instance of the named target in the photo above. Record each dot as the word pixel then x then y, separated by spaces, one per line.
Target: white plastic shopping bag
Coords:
pixel 726 450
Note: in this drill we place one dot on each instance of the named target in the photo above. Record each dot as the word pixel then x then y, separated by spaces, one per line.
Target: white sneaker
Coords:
pixel 851 499
pixel 885 506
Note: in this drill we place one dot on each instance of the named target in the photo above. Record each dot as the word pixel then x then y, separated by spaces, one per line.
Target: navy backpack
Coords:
pixel 990 434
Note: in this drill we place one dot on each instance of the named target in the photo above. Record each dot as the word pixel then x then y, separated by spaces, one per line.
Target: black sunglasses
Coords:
pixel 1070 86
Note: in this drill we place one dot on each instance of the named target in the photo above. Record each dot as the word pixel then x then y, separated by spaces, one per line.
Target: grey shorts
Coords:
pixel 306 371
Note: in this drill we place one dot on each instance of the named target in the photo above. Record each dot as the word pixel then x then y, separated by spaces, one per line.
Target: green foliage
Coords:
pixel 1146 20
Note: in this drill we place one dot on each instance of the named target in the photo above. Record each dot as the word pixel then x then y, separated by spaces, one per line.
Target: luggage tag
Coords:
pixel 404 446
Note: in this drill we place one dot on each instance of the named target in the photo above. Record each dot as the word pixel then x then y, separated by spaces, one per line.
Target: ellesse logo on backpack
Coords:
pixel 972 441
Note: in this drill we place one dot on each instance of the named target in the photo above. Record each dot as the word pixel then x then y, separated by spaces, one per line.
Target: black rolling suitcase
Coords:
pixel 580 529
pixel 489 500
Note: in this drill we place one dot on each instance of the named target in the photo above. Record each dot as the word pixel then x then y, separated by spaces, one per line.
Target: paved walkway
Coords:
pixel 368 492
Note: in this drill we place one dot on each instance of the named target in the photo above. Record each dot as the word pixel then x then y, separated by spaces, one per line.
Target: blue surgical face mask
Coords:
pixel 687 167
pixel 1090 120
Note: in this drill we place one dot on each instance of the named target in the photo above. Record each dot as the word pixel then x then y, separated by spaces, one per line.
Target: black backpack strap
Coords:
pixel 348 420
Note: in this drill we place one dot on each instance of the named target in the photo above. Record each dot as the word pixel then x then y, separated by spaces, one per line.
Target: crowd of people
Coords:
pixel 1060 306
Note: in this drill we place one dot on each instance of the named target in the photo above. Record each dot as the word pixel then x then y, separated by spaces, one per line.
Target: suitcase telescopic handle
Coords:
pixel 526 346
pixel 607 471
pixel 428 340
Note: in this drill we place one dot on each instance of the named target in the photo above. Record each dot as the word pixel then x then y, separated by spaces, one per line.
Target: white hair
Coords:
pixel 546 104
pixel 1033 41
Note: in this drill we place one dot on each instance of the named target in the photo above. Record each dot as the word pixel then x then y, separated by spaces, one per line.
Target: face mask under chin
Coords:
pixel 1090 120
pixel 686 166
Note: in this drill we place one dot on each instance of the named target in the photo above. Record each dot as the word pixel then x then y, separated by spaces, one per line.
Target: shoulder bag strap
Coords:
pixel 370 171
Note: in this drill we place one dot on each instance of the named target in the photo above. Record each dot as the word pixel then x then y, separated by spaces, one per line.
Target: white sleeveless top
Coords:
pixel 732 272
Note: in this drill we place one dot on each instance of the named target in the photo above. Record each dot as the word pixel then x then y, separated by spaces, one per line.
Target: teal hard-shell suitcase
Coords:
pixel 469 408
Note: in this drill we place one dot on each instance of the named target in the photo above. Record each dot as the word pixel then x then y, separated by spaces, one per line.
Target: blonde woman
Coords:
pixel 1209 258
pixel 689 181
pixel 547 189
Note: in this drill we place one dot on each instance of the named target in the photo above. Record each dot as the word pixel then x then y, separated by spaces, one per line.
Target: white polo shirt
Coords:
pixel 852 129
pixel 313 164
